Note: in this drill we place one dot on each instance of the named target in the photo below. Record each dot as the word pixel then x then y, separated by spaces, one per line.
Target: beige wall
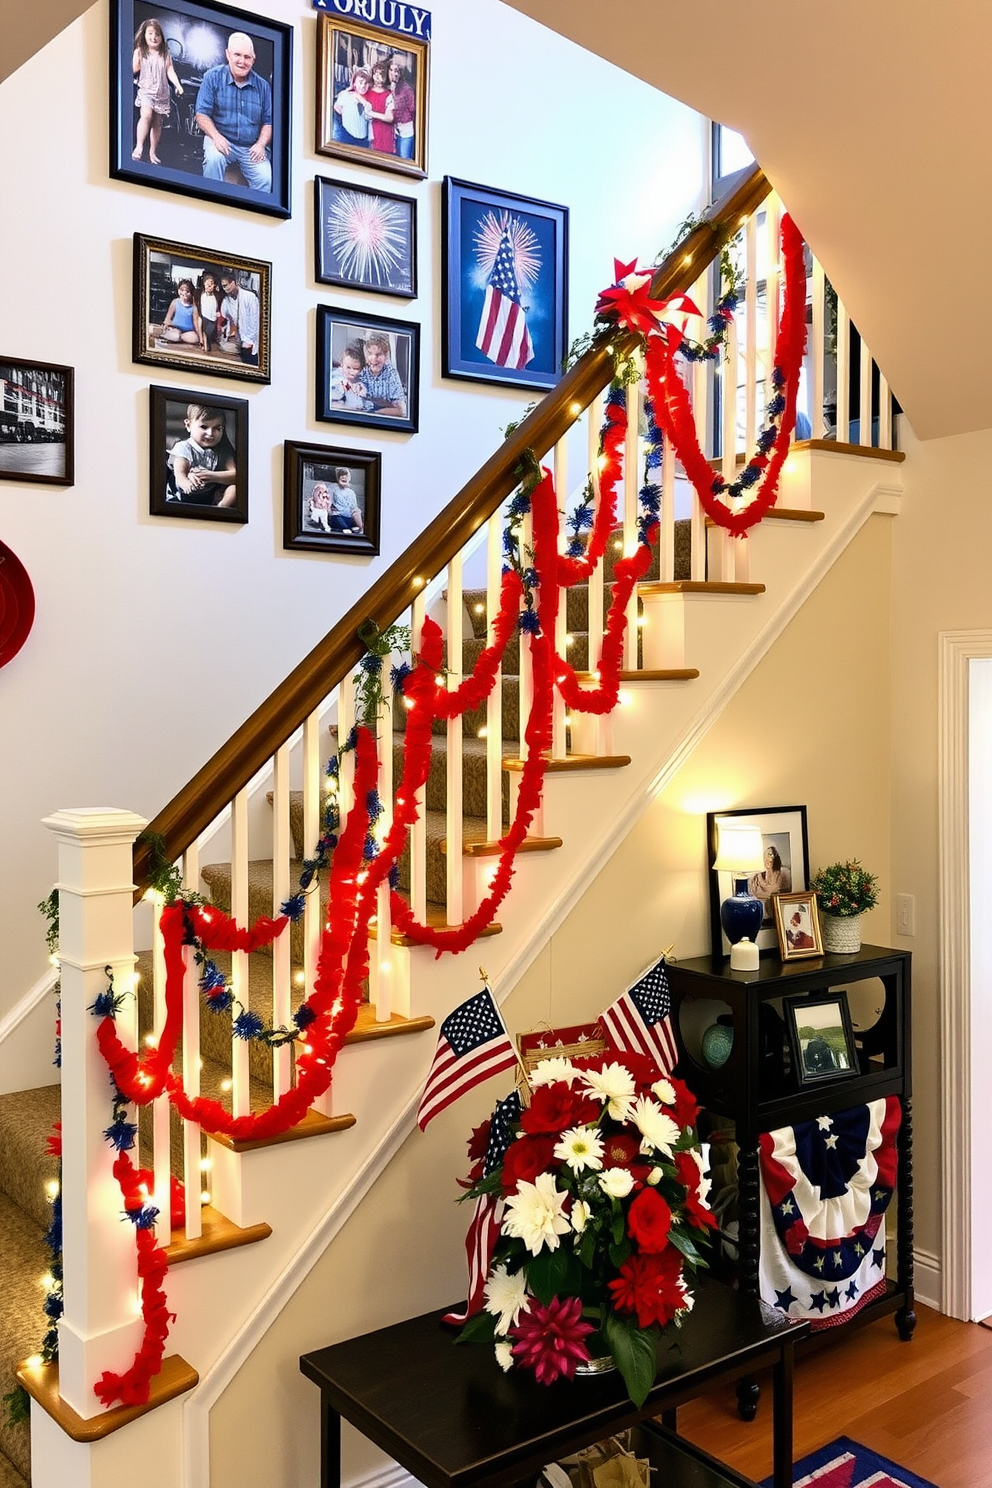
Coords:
pixel 808 726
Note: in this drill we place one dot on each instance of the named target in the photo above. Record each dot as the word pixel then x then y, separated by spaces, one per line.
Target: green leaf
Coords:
pixel 634 1353
pixel 619 1253
pixel 481 1328
pixel 547 1273
pixel 683 1243
pixel 587 1248
pixel 17 1405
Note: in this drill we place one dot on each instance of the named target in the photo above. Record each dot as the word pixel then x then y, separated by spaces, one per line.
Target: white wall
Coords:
pixel 156 637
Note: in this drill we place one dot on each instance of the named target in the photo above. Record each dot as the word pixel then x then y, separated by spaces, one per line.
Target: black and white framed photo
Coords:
pixel 372 92
pixel 36 422
pixel 365 239
pixel 781 868
pixel 200 102
pixel 368 370
pixel 201 310
pixel 504 271
pixel 331 499
pixel 821 1037
pixel 198 455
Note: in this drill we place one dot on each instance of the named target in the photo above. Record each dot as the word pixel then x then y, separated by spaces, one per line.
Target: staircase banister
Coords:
pixel 274 721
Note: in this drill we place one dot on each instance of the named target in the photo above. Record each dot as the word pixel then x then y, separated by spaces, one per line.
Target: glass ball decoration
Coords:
pixel 718 1040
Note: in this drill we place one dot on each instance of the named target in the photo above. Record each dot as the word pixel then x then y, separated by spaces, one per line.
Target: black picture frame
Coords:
pixel 160 268
pixel 196 35
pixel 168 411
pixel 782 827
pixel 364 238
pixel 306 468
pixel 37 422
pixel 475 311
pixel 821 1038
pixel 344 46
pixel 344 333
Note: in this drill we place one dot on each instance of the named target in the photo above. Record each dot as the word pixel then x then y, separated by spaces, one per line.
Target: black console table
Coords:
pixel 759 1091
pixel 451 1417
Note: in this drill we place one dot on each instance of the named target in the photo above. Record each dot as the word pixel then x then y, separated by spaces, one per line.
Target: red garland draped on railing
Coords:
pixel 353 884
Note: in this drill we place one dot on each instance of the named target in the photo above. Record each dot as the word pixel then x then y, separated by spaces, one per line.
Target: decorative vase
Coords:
pixel 842 934
pixel 600 1361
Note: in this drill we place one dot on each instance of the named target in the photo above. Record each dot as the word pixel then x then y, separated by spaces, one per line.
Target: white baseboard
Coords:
pixel 929 1286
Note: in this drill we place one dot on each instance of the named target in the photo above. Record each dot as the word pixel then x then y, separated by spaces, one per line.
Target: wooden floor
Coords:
pixel 926 1405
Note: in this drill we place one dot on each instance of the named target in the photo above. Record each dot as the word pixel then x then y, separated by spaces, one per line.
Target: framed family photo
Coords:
pixel 198 455
pixel 783 869
pixel 201 310
pixel 365 239
pixel 36 422
pixel 200 102
pixel 368 370
pixel 372 89
pixel 504 268
pixel 798 925
pixel 331 499
pixel 821 1037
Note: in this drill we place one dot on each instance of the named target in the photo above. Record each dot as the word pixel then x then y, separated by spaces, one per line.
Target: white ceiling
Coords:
pixel 873 119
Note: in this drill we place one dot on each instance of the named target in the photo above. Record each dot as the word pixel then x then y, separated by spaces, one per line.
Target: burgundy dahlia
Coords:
pixel 550 1339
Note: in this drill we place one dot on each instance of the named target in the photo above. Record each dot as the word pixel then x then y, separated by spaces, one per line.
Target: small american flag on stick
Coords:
pixel 473 1045
pixel 639 1023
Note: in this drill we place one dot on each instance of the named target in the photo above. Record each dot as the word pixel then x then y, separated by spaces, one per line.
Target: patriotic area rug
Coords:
pixel 845 1464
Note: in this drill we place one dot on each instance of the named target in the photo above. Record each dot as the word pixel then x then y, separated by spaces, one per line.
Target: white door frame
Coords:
pixel 957 649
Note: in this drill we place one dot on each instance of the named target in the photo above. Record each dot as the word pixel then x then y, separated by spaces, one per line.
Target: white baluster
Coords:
pixel 383 949
pixel 816 354
pixel 884 414
pixel 161 1155
pixel 751 330
pixel 703 381
pixel 282 853
pixel 192 1178
pixel 453 821
pixel 843 375
pixel 240 1095
pixel 558 737
pixel 631 486
pixel 418 832
pixel 864 399
pixel 313 914
pixel 596 605
pixel 494 703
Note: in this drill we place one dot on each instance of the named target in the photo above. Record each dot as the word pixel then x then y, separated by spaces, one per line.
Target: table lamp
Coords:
pixel 740 853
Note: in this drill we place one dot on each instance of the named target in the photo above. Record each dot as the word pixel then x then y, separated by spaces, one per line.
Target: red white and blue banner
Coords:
pixel 826 1185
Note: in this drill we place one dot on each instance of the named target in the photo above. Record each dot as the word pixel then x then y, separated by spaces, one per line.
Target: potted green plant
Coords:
pixel 844 892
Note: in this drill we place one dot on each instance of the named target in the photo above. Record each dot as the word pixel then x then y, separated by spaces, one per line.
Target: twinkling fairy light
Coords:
pixel 523 241
pixel 368 235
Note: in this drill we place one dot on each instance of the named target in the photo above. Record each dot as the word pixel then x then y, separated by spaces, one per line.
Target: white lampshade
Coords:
pixel 740 850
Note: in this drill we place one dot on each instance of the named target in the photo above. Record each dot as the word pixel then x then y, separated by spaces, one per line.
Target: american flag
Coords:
pixel 639 1022
pixel 473 1045
pixel 503 335
pixel 483 1232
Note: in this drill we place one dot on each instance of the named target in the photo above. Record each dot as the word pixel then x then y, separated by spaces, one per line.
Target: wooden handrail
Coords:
pixel 274 721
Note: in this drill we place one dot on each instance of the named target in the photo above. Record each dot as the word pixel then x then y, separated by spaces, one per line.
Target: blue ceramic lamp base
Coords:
pixel 741 915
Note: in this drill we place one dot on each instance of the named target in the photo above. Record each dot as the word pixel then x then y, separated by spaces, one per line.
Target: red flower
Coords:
pixel 649 1220
pixel 478 1142
pixel 525 1158
pixel 698 1213
pixel 550 1339
pixel 619 1150
pixel 686 1108
pixel 556 1107
pixel 795 1237
pixel 648 1285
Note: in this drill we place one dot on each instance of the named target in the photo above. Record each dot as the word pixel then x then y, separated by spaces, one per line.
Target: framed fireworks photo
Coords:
pixel 372 88
pixel 201 310
pixel 172 125
pixel 505 276
pixel 365 239
pixel 368 370
pixel 36 423
pixel 198 455
pixel 331 499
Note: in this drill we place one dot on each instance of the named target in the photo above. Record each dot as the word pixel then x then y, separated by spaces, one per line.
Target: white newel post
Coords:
pixel 100 1327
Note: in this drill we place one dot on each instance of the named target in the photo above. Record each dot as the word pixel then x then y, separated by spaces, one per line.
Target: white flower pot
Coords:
pixel 841 934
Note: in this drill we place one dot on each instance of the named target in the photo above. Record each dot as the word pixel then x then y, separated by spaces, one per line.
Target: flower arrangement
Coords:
pixel 603 1200
pixel 845 889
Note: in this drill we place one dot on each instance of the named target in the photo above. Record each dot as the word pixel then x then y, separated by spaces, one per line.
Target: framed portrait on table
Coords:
pixel 798 925
pixel 36 422
pixel 504 269
pixel 201 310
pixel 368 370
pixel 198 450
pixel 331 499
pixel 365 239
pixel 783 866
pixel 200 102
pixel 372 91
pixel 821 1038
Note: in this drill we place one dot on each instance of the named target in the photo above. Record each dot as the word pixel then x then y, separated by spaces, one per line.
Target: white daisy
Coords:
pixel 505 1296
pixel 580 1148
pixel 657 1128
pixel 665 1091
pixel 615 1086
pixel 617 1182
pixel 581 1212
pixel 551 1070
pixel 504 1354
pixel 534 1214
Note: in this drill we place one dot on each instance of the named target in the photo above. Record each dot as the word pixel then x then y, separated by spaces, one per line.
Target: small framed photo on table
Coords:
pixel 821 1037
pixel 332 499
pixel 798 925
pixel 368 370
pixel 372 89
pixel 174 72
pixel 504 272
pixel 201 310
pixel 198 455
pixel 36 422
pixel 365 239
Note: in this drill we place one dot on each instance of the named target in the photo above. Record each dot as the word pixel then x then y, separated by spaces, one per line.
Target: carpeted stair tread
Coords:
pixel 473 774
pixel 24 1260
pixel 217 877
pixel 9 1476
pixel 26 1121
